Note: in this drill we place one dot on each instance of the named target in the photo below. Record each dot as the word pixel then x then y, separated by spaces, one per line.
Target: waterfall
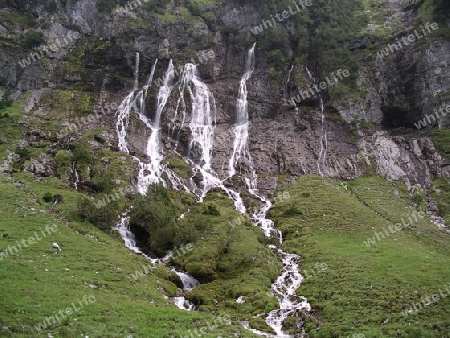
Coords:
pixel 123 119
pixel 75 173
pixel 151 172
pixel 323 139
pixel 123 227
pixel 321 163
pixel 240 130
pixel 152 74
pixel 201 123
pixel 203 115
pixel 135 102
pixel 136 71
pixel 288 79
pixel 189 282
pixel 284 288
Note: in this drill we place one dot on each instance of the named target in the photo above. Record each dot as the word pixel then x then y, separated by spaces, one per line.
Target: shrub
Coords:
pixel 23 153
pixel 156 213
pixel 6 101
pixel 51 7
pixel 292 211
pixel 80 153
pixel 211 209
pixel 48 197
pixel 104 217
pixel 105 5
pixel 194 8
pixel 33 39
pixel 277 59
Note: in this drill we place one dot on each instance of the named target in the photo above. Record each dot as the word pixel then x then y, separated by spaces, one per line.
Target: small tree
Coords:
pixel 33 39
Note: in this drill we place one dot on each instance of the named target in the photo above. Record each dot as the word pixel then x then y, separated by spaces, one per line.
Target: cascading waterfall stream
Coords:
pixel 151 172
pixel 288 79
pixel 136 71
pixel 240 130
pixel 148 172
pixel 321 163
pixel 189 282
pixel 127 106
pixel 75 173
pixel 202 124
pixel 323 140
pixel 285 286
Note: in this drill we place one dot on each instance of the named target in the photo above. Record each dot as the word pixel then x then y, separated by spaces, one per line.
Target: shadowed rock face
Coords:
pixel 397 91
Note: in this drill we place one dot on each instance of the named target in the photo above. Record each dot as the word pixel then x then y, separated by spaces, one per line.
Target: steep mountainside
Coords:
pixel 183 121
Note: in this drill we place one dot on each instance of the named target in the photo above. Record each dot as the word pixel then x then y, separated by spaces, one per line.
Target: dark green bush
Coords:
pixel 80 153
pixel 6 101
pixel 156 213
pixel 23 153
pixel 51 7
pixel 194 8
pixel 211 209
pixel 48 197
pixel 33 39
pixel 104 217
pixel 106 5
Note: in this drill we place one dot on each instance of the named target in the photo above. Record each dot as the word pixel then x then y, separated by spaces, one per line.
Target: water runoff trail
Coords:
pixel 285 286
pixel 200 118
pixel 149 172
pixel 323 139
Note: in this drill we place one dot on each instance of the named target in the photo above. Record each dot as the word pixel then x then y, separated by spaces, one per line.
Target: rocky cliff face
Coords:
pixel 395 91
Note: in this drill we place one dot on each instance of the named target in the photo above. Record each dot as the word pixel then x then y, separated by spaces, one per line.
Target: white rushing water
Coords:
pixel 148 172
pixel 200 118
pixel 189 282
pixel 75 173
pixel 151 172
pixel 285 286
pixel 288 79
pixel 134 102
pixel 323 139
pixel 240 130
pixel 136 71
pixel 322 160
pixel 201 122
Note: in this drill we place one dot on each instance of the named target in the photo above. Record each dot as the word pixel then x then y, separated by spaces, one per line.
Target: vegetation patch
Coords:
pixel 366 287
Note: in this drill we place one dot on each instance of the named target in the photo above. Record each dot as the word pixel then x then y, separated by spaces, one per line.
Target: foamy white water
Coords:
pixel 323 139
pixel 240 130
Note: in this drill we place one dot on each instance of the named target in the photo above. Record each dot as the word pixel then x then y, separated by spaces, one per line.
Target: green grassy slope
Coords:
pixel 365 288
pixel 36 282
